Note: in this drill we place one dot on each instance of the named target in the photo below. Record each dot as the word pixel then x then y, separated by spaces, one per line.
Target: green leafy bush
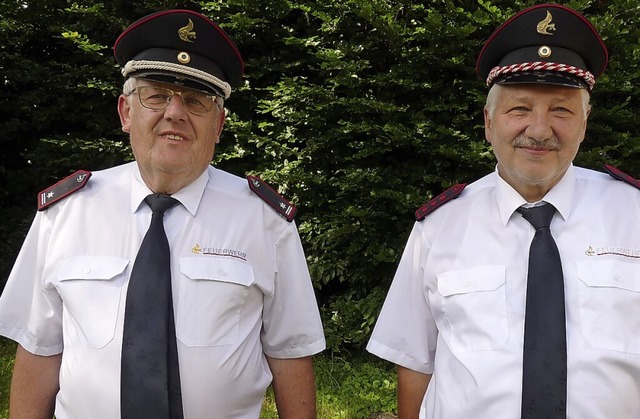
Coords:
pixel 358 111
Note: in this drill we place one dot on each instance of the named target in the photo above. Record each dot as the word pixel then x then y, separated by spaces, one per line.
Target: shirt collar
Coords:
pixel 189 196
pixel 560 196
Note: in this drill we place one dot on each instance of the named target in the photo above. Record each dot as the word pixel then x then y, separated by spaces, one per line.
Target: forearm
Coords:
pixel 34 385
pixel 294 387
pixel 412 386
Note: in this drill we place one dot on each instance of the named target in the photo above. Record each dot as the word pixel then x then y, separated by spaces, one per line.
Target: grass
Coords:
pixel 7 352
pixel 352 387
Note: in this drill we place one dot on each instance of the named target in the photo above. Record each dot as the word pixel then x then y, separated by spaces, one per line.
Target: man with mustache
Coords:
pixel 164 288
pixel 509 301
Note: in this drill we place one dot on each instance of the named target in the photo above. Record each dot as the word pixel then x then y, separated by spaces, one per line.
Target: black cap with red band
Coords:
pixel 180 47
pixel 547 43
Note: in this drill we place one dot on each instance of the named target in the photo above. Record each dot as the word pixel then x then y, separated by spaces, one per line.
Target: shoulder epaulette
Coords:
pixel 62 189
pixel 273 198
pixel 620 175
pixel 446 196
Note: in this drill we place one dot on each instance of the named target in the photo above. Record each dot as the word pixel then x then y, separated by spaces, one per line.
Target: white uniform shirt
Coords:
pixel 456 305
pixel 240 284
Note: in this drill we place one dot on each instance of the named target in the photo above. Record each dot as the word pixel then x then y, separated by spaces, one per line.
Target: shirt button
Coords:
pixel 87 270
pixel 467 284
pixel 222 272
pixel 616 277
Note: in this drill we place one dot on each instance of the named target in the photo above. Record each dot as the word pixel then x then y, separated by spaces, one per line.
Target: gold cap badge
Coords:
pixel 545 25
pixel 187 34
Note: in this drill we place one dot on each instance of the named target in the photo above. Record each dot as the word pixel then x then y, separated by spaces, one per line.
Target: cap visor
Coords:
pixel 179 80
pixel 556 79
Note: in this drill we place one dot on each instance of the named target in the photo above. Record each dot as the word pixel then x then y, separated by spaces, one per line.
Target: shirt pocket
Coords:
pixel 211 300
pixel 90 288
pixel 473 302
pixel 610 304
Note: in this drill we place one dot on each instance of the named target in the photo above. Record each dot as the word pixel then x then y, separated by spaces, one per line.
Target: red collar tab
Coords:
pixel 620 175
pixel 62 189
pixel 273 198
pixel 446 196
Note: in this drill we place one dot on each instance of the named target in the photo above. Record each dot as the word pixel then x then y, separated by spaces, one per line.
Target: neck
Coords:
pixel 166 183
pixel 532 194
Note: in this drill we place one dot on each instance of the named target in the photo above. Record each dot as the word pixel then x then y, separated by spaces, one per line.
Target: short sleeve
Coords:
pixel 291 322
pixel 405 332
pixel 31 312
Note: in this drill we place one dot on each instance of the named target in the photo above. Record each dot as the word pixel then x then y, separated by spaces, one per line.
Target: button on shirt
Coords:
pixel 240 283
pixel 459 294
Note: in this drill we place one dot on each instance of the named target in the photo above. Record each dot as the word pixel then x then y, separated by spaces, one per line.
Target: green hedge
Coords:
pixel 357 110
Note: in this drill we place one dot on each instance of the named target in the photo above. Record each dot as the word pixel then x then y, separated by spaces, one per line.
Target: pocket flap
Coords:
pixel 612 274
pixel 91 267
pixel 482 278
pixel 217 269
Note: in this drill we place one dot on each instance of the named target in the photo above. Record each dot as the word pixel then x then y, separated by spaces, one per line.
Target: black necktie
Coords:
pixel 150 379
pixel 544 381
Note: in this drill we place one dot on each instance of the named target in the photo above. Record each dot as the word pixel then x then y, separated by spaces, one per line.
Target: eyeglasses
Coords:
pixel 158 99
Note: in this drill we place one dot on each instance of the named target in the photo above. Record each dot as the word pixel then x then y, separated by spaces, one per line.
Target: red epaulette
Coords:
pixel 62 189
pixel 273 198
pixel 446 196
pixel 620 175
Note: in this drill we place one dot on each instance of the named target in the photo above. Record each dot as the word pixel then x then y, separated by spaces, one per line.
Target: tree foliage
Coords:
pixel 358 110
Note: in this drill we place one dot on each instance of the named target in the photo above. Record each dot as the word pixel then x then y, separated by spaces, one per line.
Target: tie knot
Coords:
pixel 539 216
pixel 160 203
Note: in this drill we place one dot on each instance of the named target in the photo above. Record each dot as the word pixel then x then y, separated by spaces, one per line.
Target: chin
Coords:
pixel 173 170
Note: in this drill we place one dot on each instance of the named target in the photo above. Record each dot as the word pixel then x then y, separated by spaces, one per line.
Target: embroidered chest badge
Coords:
pixel 219 251
pixel 612 251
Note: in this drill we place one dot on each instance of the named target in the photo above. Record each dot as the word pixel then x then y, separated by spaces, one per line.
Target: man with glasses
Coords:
pixel 164 288
pixel 158 98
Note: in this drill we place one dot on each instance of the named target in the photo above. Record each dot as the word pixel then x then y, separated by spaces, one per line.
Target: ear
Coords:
pixel 584 127
pixel 220 124
pixel 487 125
pixel 124 110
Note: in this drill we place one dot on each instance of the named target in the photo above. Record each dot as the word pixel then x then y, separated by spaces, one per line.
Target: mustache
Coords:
pixel 528 142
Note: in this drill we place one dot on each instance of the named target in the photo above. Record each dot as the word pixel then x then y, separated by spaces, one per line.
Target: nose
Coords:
pixel 176 109
pixel 539 127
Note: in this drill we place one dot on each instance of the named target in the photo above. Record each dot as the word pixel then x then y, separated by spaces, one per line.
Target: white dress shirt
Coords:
pixel 456 306
pixel 241 290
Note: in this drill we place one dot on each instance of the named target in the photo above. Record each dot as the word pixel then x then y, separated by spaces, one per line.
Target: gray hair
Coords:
pixel 128 86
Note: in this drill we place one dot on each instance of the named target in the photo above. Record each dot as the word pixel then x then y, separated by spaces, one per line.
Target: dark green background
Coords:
pixel 358 111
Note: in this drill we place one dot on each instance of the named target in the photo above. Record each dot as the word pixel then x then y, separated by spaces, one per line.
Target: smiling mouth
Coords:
pixel 538 148
pixel 174 137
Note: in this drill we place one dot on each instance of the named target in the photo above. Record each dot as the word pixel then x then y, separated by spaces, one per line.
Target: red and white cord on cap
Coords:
pixel 541 66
